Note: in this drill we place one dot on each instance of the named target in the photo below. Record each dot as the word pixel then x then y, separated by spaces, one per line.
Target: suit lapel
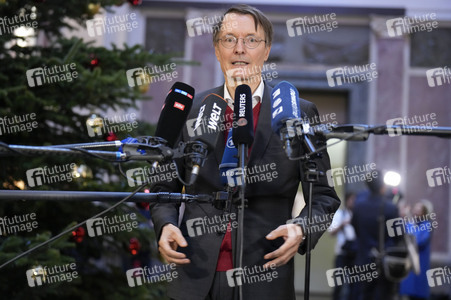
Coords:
pixel 263 132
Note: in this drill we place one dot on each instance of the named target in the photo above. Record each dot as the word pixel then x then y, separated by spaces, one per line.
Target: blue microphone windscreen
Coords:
pixel 284 104
pixel 229 158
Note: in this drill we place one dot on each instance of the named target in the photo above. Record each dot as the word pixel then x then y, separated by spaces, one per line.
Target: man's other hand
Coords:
pixel 292 234
pixel 171 238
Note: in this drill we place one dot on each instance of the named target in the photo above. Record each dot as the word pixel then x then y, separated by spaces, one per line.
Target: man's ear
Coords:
pixel 217 52
pixel 268 50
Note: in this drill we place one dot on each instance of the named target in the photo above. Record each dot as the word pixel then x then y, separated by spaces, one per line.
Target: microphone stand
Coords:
pixel 291 129
pixel 40 195
pixel 142 149
pixel 238 257
pixel 311 175
pixel 361 132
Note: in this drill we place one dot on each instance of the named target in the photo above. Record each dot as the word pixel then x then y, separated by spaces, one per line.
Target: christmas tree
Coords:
pixel 85 81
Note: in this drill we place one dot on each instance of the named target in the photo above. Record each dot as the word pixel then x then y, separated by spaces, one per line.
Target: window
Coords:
pixel 165 35
pixel 342 45
pixel 431 49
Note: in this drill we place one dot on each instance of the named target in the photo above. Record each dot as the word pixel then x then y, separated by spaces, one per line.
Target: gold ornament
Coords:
pixel 94 125
pixel 145 83
pixel 93 8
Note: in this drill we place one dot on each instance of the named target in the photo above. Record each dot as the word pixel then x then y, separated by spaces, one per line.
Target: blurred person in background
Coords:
pixel 416 287
pixel 365 220
pixel 345 246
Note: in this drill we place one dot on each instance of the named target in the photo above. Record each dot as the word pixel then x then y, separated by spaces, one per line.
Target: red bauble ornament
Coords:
pixel 143 205
pixel 135 2
pixel 110 136
pixel 78 234
pixel 93 61
pixel 134 246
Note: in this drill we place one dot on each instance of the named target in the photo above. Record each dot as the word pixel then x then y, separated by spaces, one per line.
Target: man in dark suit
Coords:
pixel 242 44
pixel 371 207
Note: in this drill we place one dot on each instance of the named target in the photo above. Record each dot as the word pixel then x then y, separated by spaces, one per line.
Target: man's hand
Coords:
pixel 170 238
pixel 292 234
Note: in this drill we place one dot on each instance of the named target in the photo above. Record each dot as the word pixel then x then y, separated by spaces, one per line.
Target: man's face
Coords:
pixel 240 61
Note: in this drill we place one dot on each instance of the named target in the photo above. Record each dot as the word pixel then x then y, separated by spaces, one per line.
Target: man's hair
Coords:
pixel 376 183
pixel 257 15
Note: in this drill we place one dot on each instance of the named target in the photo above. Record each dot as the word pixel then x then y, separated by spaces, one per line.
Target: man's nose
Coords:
pixel 239 47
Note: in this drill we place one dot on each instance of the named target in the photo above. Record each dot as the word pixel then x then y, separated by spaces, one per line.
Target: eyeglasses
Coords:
pixel 250 42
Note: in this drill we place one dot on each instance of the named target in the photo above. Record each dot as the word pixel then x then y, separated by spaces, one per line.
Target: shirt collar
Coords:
pixel 257 96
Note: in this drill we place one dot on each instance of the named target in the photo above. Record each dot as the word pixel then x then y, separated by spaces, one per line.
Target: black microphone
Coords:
pixel 175 112
pixel 205 130
pixel 286 116
pixel 244 131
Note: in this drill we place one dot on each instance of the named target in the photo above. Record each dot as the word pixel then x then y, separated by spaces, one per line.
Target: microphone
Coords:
pixel 205 130
pixel 285 112
pixel 229 158
pixel 175 112
pixel 244 132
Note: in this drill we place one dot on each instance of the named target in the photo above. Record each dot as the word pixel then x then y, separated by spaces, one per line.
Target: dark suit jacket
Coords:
pixel 365 220
pixel 269 205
